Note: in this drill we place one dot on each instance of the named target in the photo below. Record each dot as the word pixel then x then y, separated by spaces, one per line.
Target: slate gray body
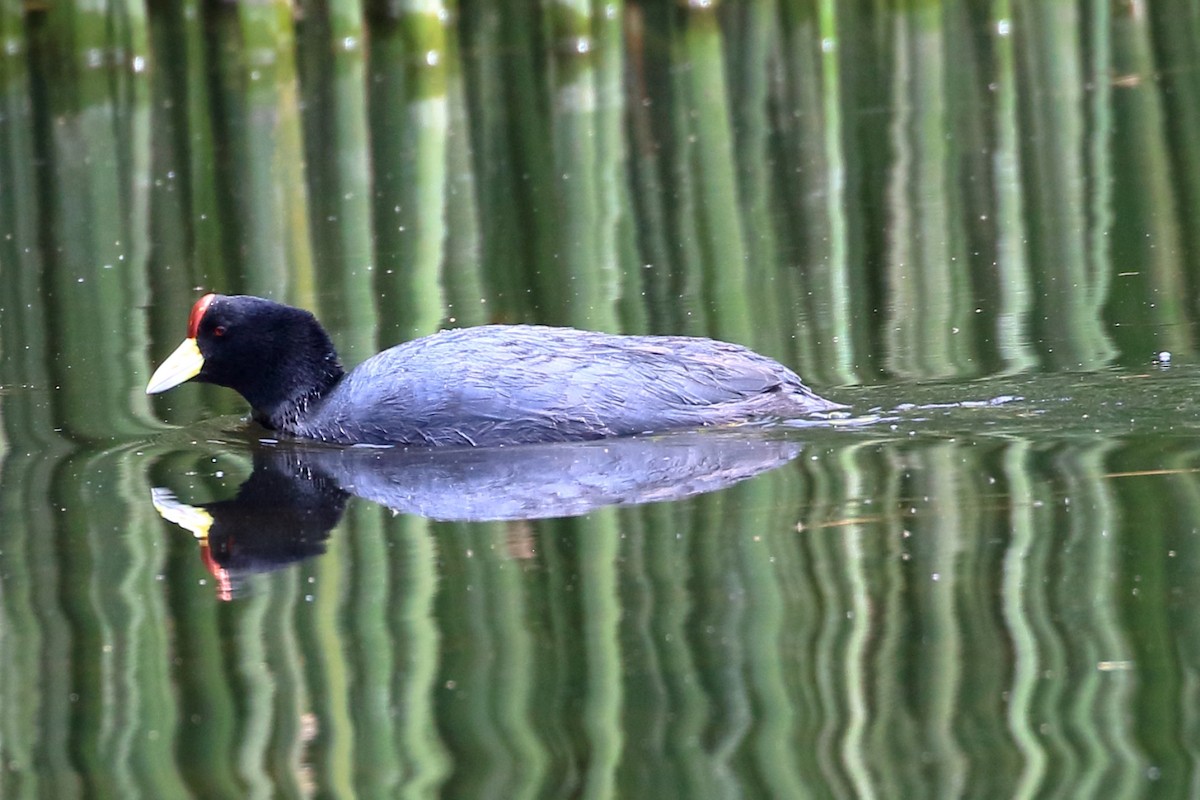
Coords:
pixel 508 384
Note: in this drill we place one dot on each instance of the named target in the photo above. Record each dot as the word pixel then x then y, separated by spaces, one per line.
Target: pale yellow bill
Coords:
pixel 190 518
pixel 182 365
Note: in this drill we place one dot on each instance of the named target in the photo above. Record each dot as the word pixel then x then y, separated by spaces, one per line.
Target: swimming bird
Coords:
pixel 482 386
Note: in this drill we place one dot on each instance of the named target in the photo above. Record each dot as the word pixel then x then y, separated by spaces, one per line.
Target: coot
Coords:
pixel 484 386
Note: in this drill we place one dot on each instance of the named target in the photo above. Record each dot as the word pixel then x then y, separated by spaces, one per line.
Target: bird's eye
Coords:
pixel 219 330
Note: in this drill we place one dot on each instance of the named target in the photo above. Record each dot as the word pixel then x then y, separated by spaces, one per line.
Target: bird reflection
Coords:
pixel 296 494
pixel 281 514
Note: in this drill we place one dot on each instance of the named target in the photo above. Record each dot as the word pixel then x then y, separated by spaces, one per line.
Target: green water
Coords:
pixel 976 223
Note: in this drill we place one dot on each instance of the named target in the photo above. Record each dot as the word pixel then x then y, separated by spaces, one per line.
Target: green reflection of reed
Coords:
pixel 599 551
pixel 1147 605
pixel 585 283
pixel 95 139
pixel 516 663
pixel 1014 293
pixel 480 698
pixel 277 238
pixel 1017 616
pixel 670 665
pixel 1181 560
pixel 1109 757
pixel 715 634
pixel 205 697
pixel 749 81
pixel 409 118
pixel 493 67
pixel 720 235
pixel 419 652
pixel 856 545
pixel 1151 295
pixel 1173 35
pixel 372 662
pixel 120 716
pixel 332 67
pixel 33 721
pixel 1055 184
pixel 466 295
pixel 255 687
pixel 772 742
pixel 815 216
pixel 924 334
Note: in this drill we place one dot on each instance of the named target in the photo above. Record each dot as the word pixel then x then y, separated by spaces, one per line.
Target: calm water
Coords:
pixel 976 223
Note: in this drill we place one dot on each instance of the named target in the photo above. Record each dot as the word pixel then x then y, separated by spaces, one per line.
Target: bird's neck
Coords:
pixel 296 391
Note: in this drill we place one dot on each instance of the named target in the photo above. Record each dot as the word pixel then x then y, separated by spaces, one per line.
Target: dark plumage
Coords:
pixel 490 385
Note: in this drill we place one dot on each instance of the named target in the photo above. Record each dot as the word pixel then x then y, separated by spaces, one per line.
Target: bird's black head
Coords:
pixel 277 357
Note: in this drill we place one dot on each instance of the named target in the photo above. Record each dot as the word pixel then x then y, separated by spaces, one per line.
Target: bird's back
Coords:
pixel 508 384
